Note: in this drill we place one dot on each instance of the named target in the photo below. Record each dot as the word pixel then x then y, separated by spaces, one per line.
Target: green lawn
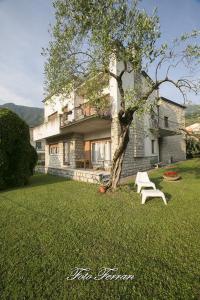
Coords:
pixel 53 225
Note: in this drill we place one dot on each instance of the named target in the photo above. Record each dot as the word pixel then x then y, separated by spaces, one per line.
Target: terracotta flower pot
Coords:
pixel 171 178
pixel 102 189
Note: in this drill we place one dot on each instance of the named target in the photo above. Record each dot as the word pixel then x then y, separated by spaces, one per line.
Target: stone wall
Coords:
pixel 115 130
pixel 89 176
pixel 134 158
pixel 175 114
pixel 136 137
pixel 76 151
pixel 172 148
pixel 132 165
pixel 40 169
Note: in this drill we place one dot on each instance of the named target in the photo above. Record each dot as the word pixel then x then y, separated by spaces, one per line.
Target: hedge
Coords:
pixel 17 156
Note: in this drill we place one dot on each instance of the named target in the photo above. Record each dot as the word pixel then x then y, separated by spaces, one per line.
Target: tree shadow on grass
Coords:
pixel 157 181
pixel 42 179
pixel 39 179
pixel 190 170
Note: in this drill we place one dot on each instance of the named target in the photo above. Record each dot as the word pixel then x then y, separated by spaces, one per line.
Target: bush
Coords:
pixel 192 147
pixel 17 157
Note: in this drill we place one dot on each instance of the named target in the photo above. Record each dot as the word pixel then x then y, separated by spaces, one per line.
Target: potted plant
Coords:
pixel 171 176
pixel 103 181
pixel 102 189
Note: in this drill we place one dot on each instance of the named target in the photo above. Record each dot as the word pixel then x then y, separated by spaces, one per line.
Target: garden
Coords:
pixel 54 225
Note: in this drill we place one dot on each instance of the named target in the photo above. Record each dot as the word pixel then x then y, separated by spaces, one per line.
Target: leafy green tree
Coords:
pixel 17 157
pixel 192 143
pixel 87 35
pixel 192 147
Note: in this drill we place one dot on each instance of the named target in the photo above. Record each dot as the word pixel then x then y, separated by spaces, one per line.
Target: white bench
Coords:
pixel 153 194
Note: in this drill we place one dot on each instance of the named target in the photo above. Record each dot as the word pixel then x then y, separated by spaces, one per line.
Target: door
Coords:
pixel 101 152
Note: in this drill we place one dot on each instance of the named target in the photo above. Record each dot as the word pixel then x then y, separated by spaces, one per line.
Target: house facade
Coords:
pixel 80 140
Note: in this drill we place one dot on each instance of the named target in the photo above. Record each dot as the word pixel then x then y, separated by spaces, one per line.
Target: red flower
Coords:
pixel 171 174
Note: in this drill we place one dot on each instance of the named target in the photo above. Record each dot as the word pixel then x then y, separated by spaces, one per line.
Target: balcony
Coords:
pixel 83 112
pixel 169 127
pixel 47 129
pixel 164 127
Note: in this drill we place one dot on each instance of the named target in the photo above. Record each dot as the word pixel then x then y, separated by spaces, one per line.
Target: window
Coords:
pixel 66 153
pixel 153 146
pixel 38 145
pixel 101 151
pixel 53 149
pixel 52 116
pixel 166 122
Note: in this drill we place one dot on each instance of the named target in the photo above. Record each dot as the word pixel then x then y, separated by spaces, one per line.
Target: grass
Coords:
pixel 53 225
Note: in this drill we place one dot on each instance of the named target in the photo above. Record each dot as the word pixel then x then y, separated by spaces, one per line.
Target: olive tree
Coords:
pixel 88 34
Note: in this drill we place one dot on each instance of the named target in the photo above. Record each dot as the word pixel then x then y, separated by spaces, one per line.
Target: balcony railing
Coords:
pixel 164 127
pixel 170 125
pixel 83 111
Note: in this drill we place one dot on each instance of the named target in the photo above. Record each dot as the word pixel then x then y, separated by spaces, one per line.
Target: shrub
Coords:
pixel 192 147
pixel 17 156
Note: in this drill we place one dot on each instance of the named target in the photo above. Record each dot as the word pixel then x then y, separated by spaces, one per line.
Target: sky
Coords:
pixel 24 28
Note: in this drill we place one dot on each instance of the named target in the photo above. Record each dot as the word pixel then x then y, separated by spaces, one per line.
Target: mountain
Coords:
pixel 192 114
pixel 2 102
pixel 33 116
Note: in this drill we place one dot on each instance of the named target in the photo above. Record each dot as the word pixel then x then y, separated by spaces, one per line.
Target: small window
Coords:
pixel 38 145
pixel 153 146
pixel 166 121
pixel 53 149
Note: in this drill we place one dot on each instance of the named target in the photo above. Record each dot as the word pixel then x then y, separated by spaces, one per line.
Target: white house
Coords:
pixel 80 140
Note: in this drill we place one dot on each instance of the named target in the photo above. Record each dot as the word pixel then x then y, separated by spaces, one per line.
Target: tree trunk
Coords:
pixel 118 158
pixel 125 119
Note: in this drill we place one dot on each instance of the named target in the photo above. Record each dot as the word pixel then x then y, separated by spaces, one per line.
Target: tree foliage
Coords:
pixel 17 156
pixel 88 33
pixel 192 147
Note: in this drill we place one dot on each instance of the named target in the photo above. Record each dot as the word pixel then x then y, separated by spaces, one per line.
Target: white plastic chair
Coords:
pixel 137 178
pixel 142 180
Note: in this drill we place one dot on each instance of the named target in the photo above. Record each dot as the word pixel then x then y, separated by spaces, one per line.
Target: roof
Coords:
pixel 172 102
pixel 144 73
pixel 194 127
